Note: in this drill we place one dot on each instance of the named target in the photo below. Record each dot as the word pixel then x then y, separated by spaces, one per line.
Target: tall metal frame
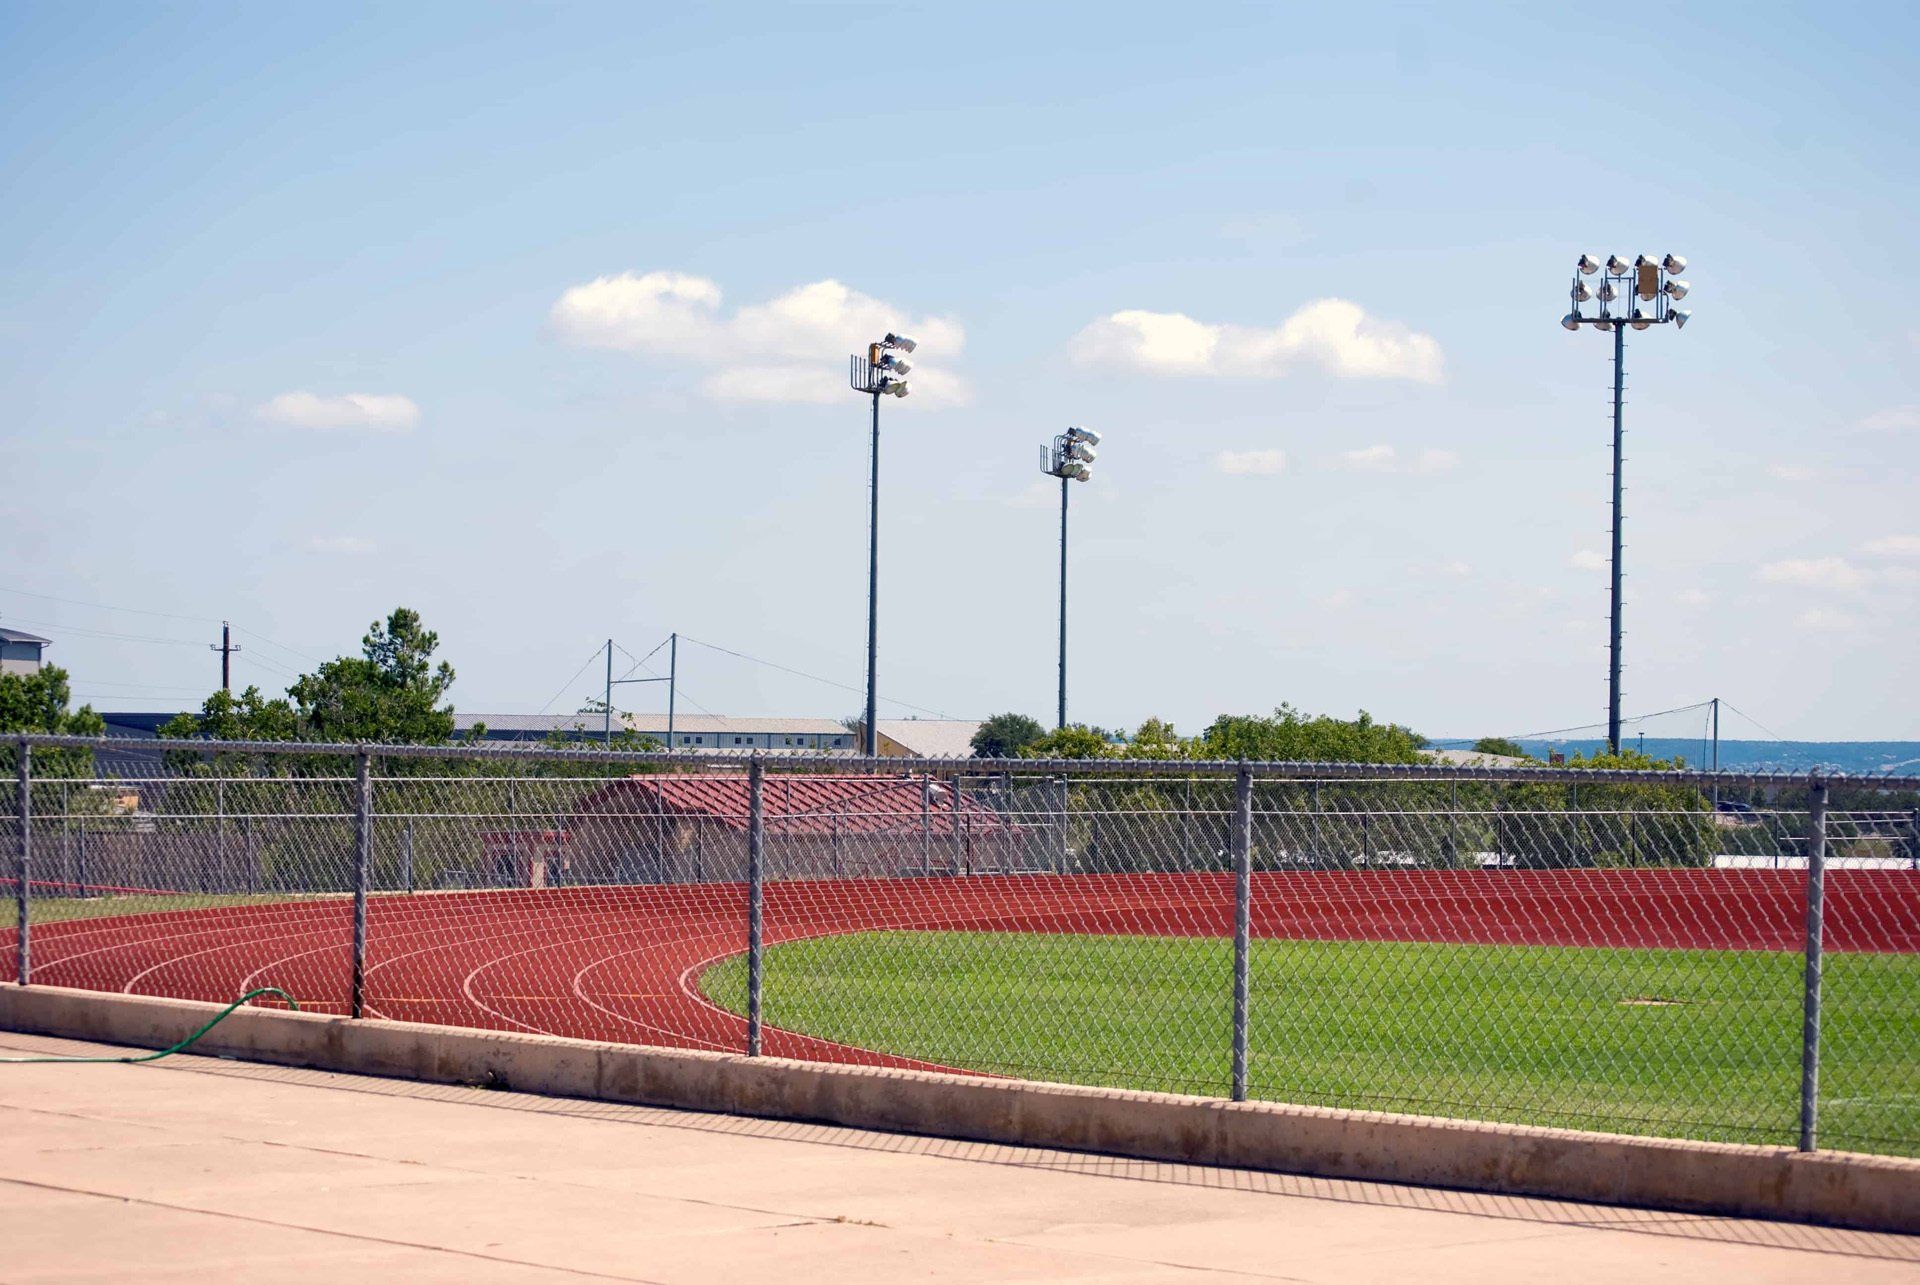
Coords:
pixel 1069 458
pixel 881 372
pixel 1646 280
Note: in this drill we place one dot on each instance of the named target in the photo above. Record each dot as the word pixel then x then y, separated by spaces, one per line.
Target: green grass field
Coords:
pixel 47 910
pixel 1681 1043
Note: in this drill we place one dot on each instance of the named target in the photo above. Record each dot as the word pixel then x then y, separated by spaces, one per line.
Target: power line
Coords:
pixel 568 685
pixel 801 673
pixel 104 606
pixel 1751 719
pixel 141 611
pixel 103 633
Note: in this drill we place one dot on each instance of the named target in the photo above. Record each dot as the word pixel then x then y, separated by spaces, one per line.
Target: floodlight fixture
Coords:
pixel 1673 265
pixel 1676 288
pixel 1581 292
pixel 1588 265
pixel 1608 292
pixel 1617 266
pixel 901 342
pixel 1571 321
pixel 898 365
pixel 1639 321
pixel 1681 317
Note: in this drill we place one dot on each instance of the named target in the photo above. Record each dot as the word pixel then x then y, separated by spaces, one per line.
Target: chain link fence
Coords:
pixel 1728 956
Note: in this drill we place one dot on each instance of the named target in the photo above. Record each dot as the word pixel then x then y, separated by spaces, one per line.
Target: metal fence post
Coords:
pixel 22 946
pixel 756 843
pixel 1913 838
pixel 1066 834
pixel 80 861
pixel 362 873
pixel 1319 858
pixel 1810 1013
pixel 959 830
pixel 406 857
pixel 926 824
pixel 1242 922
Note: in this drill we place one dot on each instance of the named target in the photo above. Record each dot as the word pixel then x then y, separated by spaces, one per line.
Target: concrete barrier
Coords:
pixel 1841 1189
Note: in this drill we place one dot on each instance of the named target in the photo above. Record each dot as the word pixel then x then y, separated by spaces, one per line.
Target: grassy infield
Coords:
pixel 1702 1044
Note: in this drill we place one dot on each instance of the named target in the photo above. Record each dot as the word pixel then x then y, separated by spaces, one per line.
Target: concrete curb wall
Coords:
pixel 1841 1189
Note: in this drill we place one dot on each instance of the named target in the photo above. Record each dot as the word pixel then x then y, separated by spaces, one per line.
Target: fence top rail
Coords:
pixel 846 764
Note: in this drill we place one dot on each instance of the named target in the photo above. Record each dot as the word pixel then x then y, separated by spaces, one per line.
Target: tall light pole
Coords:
pixel 1070 459
pixel 881 372
pixel 1646 280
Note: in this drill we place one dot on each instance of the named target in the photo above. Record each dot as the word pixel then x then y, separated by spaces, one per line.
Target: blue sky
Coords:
pixel 532 319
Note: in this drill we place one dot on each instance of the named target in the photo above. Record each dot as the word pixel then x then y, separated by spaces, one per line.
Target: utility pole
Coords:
pixel 606 722
pixel 226 647
pixel 1716 751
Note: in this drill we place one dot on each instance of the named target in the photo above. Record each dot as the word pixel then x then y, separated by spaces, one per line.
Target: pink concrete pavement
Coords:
pixel 201 1170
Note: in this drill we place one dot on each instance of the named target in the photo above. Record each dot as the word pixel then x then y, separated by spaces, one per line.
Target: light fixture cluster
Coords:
pixel 1072 455
pixel 1646 290
pixel 884 368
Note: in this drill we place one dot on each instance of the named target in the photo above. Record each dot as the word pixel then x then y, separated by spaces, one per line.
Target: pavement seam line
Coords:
pixel 150 1203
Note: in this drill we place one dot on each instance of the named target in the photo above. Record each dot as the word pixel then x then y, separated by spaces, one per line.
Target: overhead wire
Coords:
pixel 801 673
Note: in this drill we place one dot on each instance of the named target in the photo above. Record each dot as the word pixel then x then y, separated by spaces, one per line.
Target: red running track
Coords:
pixel 623 963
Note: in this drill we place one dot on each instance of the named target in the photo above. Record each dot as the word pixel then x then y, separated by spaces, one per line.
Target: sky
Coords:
pixel 535 319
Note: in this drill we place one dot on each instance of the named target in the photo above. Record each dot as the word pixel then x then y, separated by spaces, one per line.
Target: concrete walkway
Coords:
pixel 204 1170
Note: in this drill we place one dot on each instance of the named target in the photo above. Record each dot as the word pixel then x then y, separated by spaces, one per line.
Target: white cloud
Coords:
pixel 1456 568
pixel 1895 419
pixel 1373 458
pixel 1814 573
pixel 348 544
pixel 1385 459
pixel 1336 335
pixel 792 348
pixel 1792 472
pixel 382 412
pixel 1820 618
pixel 1893 546
pixel 1588 560
pixel 1337 599
pixel 1263 463
pixel 1694 597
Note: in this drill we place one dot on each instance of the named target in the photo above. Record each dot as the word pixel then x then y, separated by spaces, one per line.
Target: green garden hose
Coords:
pixel 182 1045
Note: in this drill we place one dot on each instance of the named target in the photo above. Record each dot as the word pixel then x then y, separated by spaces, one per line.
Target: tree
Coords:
pixel 37 702
pixel 1500 745
pixel 1290 736
pixel 390 693
pixel 1006 736
pixel 1156 739
pixel 250 716
pixel 1077 741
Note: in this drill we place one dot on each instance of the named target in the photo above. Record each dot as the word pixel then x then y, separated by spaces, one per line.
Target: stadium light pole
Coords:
pixel 1650 281
pixel 880 373
pixel 1069 458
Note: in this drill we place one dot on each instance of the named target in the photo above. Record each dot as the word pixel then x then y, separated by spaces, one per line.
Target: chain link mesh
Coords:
pixel 1623 954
